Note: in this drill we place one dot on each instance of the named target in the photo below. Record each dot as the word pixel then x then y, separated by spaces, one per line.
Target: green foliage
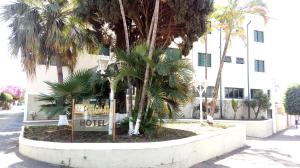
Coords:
pixel 235 106
pixel 292 100
pixel 83 84
pixel 260 102
pixel 6 97
pixel 180 18
pixel 41 30
pixel 148 127
pixel 170 78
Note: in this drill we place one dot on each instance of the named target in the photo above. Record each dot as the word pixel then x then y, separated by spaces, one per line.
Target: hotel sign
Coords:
pixel 91 117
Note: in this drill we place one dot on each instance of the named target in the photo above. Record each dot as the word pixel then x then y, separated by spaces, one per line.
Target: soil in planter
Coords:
pixel 63 134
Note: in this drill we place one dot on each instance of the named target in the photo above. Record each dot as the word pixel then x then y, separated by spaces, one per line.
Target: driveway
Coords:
pixel 10 127
pixel 279 151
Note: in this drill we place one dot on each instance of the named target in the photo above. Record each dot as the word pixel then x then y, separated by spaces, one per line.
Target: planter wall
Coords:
pixel 255 128
pixel 179 153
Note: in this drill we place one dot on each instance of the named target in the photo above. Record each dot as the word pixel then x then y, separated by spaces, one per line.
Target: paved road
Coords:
pixel 279 151
pixel 10 126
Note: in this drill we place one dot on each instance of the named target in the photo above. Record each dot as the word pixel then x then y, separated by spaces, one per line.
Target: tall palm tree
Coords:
pixel 231 18
pixel 130 131
pixel 152 33
pixel 44 31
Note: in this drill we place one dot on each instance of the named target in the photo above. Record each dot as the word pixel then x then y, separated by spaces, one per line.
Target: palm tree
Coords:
pixel 231 18
pixel 152 33
pixel 169 81
pixel 44 31
pixel 130 131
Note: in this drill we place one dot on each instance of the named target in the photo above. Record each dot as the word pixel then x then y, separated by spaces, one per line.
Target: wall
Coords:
pixel 255 128
pixel 181 153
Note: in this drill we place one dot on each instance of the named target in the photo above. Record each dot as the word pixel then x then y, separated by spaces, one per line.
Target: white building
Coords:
pixel 234 83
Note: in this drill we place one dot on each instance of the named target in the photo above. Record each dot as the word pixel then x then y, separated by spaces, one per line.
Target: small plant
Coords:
pixel 235 107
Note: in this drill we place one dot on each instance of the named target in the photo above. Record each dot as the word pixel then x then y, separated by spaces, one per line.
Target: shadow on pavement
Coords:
pixel 292 134
pixel 211 163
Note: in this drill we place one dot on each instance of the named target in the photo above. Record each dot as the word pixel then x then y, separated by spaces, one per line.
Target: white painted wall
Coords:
pixel 181 153
pixel 255 128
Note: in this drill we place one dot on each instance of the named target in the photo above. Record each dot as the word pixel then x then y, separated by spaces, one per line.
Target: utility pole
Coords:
pixel 221 99
pixel 248 80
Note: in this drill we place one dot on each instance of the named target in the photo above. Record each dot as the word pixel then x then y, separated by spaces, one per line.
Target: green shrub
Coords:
pixel 292 100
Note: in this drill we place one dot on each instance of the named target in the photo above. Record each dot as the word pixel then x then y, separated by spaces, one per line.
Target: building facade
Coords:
pixel 245 71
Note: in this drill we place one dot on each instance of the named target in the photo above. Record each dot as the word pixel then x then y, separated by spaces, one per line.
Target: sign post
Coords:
pixel 73 116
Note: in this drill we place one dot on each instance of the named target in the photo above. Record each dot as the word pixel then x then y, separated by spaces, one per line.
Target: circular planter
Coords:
pixel 179 153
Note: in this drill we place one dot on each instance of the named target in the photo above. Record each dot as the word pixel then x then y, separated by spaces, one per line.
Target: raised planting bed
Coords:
pixel 177 153
pixel 63 134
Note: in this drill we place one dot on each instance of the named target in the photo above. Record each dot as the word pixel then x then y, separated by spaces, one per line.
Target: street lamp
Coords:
pixel 248 81
pixel 201 91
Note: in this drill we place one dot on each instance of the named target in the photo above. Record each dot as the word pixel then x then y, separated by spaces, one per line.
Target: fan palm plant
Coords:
pixel 169 79
pixel 231 18
pixel 44 31
pixel 83 84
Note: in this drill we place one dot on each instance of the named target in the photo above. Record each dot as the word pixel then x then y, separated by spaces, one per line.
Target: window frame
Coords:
pixel 259 36
pixel 234 93
pixel 202 56
pixel 228 59
pixel 240 60
pixel 259 66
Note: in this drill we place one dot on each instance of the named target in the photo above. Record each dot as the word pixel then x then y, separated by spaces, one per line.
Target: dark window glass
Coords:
pixel 227 59
pixel 258 36
pixel 234 93
pixel 201 59
pixel 259 66
pixel 240 60
pixel 254 92
pixel 209 91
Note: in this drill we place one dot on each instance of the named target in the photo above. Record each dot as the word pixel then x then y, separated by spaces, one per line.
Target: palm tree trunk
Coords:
pixel 60 77
pixel 130 131
pixel 147 72
pixel 217 84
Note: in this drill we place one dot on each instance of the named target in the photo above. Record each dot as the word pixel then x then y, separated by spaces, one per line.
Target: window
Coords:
pixel 254 93
pixel 209 92
pixel 105 51
pixel 201 59
pixel 259 66
pixel 227 59
pixel 234 93
pixel 258 36
pixel 240 60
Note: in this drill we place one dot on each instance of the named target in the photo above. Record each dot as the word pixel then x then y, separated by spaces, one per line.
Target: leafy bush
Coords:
pixel 292 100
pixel 260 102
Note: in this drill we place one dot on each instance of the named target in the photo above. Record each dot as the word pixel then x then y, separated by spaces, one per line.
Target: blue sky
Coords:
pixel 284 25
